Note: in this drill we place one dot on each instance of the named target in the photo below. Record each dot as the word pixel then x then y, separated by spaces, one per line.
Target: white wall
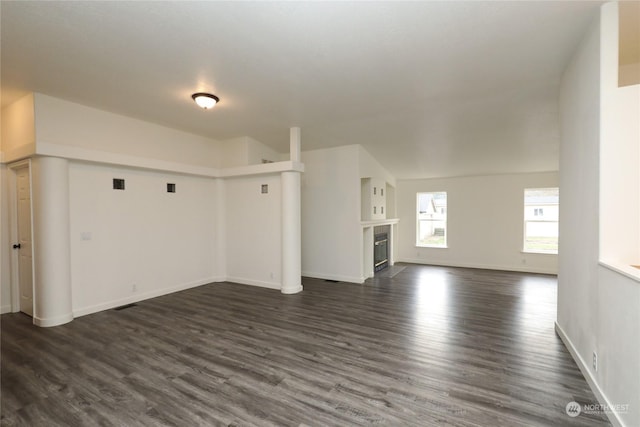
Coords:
pixel 18 139
pixel 597 306
pixel 142 242
pixel 333 241
pixel 65 123
pixel 485 222
pixel 370 167
pixel 143 236
pixel 331 231
pixel 253 230
pixel 629 74
pixel 619 154
pixel 243 151
pixel 257 151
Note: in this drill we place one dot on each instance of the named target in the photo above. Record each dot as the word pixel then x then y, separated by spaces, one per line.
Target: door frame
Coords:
pixel 13 234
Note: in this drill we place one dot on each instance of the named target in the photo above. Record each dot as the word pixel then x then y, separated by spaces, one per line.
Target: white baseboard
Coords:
pixel 525 269
pixel 252 282
pixel 586 372
pixel 140 297
pixel 337 277
pixel 52 321
pixel 5 309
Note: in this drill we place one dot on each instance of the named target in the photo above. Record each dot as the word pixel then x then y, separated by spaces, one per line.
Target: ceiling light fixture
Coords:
pixel 205 100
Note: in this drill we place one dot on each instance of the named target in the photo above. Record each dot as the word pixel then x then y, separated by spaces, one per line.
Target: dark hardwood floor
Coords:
pixel 428 346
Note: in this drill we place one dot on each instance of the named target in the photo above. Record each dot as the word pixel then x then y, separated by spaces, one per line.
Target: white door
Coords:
pixel 25 257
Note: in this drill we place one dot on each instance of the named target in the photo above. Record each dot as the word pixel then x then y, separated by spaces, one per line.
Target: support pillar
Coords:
pixel 291 228
pixel 52 246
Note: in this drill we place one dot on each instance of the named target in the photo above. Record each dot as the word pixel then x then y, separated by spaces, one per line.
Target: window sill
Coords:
pixel 539 252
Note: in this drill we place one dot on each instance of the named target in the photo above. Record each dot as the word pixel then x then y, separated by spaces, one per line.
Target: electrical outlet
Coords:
pixel 595 361
pixel 134 288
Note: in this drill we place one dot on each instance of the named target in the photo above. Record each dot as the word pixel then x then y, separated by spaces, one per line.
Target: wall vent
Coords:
pixel 171 188
pixel 124 307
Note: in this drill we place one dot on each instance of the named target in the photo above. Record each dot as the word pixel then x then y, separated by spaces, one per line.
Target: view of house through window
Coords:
pixel 432 219
pixel 541 207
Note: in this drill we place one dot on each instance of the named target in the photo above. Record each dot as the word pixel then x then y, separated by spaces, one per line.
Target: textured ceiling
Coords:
pixel 429 88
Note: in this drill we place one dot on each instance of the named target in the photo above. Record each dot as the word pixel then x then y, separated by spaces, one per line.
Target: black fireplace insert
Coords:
pixel 380 251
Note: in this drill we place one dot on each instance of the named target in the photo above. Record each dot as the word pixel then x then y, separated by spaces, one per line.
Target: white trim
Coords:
pixel 523 251
pixel 261 169
pixel 106 157
pixel 374 223
pixel 252 282
pixel 13 234
pixel 586 372
pixel 140 297
pixel 526 269
pixel 292 290
pixel 52 321
pixel 6 308
pixel 626 270
pixel 339 278
pixel 19 153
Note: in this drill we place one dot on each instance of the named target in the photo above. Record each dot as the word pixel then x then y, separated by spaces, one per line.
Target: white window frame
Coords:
pixel 419 219
pixel 538 212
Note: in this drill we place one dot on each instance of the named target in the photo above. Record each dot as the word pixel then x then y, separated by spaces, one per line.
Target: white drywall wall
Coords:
pixel 140 242
pixel 253 230
pixel 331 231
pixel 597 306
pixel 485 220
pixel 66 123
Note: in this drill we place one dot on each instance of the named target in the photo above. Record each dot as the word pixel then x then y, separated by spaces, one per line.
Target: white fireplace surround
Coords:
pixel 367 244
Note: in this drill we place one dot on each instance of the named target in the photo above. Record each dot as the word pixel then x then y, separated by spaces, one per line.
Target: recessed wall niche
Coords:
pixel 118 184
pixel 373 199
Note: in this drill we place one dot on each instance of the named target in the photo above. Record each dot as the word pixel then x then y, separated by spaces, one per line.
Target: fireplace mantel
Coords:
pixel 374 223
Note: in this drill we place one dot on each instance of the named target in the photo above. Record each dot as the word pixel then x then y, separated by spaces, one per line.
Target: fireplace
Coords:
pixel 380 251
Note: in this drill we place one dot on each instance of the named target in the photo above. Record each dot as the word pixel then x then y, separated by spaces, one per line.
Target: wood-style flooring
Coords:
pixel 430 346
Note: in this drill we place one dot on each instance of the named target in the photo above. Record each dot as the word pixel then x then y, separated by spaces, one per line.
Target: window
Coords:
pixel 541 207
pixel 432 220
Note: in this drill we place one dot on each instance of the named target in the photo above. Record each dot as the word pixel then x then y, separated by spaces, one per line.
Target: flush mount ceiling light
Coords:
pixel 205 100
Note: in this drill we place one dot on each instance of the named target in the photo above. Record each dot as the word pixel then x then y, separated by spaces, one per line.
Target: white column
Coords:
pixel 52 246
pixel 291 234
pixel 291 229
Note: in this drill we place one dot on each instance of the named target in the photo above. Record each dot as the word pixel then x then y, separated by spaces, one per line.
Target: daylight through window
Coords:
pixel 541 206
pixel 432 220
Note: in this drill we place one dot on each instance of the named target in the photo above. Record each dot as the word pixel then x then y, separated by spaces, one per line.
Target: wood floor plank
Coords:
pixel 422 346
